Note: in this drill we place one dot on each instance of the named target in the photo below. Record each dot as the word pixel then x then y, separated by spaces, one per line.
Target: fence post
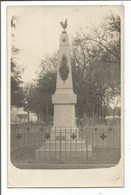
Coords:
pixel 34 142
pixel 60 143
pixel 90 142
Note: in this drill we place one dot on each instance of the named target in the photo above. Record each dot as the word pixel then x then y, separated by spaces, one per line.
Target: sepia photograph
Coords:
pixel 65 88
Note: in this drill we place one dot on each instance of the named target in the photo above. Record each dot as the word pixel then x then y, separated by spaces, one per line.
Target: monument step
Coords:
pixel 78 145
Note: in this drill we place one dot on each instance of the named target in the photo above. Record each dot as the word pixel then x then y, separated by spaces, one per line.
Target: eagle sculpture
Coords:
pixel 64 24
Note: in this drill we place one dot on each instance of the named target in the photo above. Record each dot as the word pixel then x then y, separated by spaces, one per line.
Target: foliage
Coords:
pixel 96 67
pixel 17 95
pixel 39 94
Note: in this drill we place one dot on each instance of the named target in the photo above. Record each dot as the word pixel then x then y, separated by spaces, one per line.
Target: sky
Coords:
pixel 37 31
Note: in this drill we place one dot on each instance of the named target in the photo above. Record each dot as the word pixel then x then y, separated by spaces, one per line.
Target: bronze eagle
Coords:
pixel 64 24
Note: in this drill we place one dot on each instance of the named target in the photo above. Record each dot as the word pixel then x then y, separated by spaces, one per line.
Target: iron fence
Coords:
pixel 38 143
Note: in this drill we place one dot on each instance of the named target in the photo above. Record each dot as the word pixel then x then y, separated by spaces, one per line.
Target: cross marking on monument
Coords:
pixel 73 136
pixel 103 136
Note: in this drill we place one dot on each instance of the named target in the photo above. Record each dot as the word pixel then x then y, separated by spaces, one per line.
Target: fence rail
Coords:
pixel 38 143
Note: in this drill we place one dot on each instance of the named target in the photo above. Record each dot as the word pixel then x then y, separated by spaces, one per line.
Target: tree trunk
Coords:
pixel 104 111
pixel 37 117
pixel 101 111
pixel 98 110
pixel 114 110
pixel 28 116
pixel 46 112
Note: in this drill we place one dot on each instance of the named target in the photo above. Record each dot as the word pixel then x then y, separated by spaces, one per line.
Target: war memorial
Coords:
pixel 63 143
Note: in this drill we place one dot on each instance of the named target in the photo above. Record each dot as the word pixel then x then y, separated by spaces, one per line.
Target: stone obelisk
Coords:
pixel 64 99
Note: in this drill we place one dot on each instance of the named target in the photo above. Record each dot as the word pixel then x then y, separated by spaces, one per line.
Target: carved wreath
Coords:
pixel 64 70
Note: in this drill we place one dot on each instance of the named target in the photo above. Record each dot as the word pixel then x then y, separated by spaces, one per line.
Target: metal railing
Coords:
pixel 38 143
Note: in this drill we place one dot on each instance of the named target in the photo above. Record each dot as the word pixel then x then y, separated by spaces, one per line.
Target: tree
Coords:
pixel 28 98
pixel 96 67
pixel 17 96
pixel 38 95
pixel 46 84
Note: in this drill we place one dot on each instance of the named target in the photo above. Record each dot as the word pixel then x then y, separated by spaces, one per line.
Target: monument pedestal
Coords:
pixel 64 101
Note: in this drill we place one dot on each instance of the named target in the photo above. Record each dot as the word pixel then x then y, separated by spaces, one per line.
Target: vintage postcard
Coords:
pixel 65 96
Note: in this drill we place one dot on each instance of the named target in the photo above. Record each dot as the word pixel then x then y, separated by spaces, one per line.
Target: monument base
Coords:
pixel 63 144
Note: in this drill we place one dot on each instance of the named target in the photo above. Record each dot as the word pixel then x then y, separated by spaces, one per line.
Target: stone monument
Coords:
pixel 64 138
pixel 64 99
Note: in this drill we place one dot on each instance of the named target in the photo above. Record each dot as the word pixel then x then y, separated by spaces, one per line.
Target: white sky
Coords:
pixel 38 30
